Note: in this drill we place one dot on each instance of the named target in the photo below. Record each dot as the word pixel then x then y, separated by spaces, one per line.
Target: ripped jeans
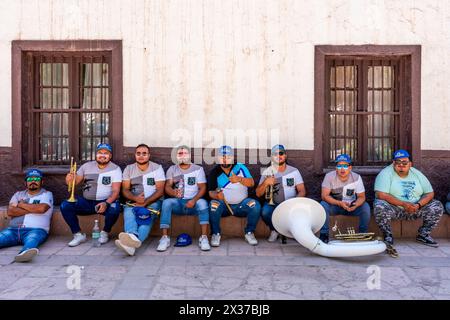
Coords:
pixel 248 207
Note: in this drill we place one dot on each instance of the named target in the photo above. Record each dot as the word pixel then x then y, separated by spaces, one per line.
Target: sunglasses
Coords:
pixel 280 153
pixel 30 179
pixel 403 163
pixel 142 154
pixel 342 166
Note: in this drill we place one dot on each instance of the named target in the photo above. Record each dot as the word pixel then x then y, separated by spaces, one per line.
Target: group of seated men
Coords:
pixel 402 192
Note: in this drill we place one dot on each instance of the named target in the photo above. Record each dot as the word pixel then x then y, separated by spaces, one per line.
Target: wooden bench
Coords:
pixel 234 227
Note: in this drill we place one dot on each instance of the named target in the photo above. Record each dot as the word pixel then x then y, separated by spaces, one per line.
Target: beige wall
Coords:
pixel 209 61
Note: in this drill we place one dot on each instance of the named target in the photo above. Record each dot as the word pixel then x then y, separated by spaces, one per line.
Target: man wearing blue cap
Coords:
pixel 31 212
pixel 228 188
pixel 285 181
pixel 101 181
pixel 343 193
pixel 403 192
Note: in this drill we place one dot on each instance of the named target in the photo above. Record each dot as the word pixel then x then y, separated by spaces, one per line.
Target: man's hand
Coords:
pixel 101 207
pixel 234 178
pixel 270 181
pixel 179 193
pixel 220 195
pixel 190 204
pixel 140 199
pixel 410 207
pixel 69 178
pixel 345 206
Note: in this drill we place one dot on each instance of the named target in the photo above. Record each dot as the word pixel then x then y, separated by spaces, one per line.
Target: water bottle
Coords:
pixel 96 235
pixel 180 186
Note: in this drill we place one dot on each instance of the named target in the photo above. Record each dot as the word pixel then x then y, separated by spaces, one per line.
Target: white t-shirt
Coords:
pixel 187 179
pixel 98 182
pixel 343 191
pixel 286 183
pixel 143 181
pixel 33 220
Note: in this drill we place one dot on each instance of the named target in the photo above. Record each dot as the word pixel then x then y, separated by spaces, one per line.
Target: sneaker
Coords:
pixel 129 250
pixel 130 240
pixel 203 243
pixel 273 236
pixel 388 238
pixel 324 237
pixel 78 238
pixel 104 238
pixel 250 237
pixel 427 240
pixel 215 240
pixel 26 255
pixel 164 243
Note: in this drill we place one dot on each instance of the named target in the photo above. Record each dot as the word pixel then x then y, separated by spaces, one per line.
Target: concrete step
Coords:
pixel 234 226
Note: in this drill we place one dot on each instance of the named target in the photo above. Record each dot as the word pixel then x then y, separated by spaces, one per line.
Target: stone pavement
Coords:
pixel 235 270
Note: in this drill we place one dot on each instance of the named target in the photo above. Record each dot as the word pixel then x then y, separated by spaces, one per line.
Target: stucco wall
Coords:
pixel 233 64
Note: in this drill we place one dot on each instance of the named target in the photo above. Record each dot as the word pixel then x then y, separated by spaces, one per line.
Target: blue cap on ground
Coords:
pixel 343 158
pixel 105 146
pixel 183 240
pixel 400 154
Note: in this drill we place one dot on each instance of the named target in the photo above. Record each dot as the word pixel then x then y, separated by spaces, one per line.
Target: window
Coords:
pixel 69 102
pixel 364 104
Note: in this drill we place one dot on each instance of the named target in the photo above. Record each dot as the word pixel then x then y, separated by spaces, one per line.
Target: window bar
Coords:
pixel 52 106
pixel 382 110
pixel 91 83
pixel 80 115
pixel 335 109
pixel 101 98
pixel 345 109
pixel 373 109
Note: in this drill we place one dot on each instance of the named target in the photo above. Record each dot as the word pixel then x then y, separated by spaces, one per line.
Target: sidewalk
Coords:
pixel 235 270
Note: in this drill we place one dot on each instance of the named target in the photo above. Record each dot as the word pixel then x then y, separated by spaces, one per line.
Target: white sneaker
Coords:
pixel 130 240
pixel 129 250
pixel 104 238
pixel 273 236
pixel 203 243
pixel 26 255
pixel 250 237
pixel 215 240
pixel 164 243
pixel 78 238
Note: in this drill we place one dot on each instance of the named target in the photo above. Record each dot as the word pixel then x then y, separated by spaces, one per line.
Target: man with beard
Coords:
pixel 343 193
pixel 403 192
pixel 286 182
pixel 186 185
pixel 31 212
pixel 228 188
pixel 101 188
pixel 143 187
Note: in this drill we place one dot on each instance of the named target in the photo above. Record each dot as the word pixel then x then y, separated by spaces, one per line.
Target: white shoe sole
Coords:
pixel 27 255
pixel 128 241
pixel 120 246
pixel 77 244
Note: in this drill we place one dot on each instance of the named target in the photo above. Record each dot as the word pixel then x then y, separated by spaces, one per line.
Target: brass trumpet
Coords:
pixel 133 204
pixel 71 186
pixel 269 192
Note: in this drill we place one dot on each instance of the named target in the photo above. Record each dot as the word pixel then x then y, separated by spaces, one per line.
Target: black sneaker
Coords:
pixel 388 239
pixel 427 240
pixel 324 237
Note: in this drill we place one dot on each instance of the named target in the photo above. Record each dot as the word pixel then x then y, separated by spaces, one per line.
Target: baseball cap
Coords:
pixel 343 158
pixel 105 146
pixel 276 147
pixel 400 154
pixel 143 215
pixel 225 151
pixel 183 240
pixel 33 173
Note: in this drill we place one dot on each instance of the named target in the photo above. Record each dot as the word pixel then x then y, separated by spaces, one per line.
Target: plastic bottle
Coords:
pixel 96 235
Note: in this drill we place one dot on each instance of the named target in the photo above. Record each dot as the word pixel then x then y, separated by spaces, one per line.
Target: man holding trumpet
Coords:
pixel 278 182
pixel 228 188
pixel 101 181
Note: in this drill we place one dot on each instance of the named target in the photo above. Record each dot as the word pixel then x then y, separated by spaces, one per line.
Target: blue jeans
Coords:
pixel 28 237
pixel 266 214
pixel 131 226
pixel 248 207
pixel 178 207
pixel 447 207
pixel 363 212
pixel 84 207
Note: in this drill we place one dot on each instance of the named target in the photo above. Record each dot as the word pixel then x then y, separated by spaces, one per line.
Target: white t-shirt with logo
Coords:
pixel 187 179
pixel 98 182
pixel 33 220
pixel 143 181
pixel 343 191
pixel 286 183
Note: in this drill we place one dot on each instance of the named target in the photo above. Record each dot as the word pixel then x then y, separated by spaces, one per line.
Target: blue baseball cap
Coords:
pixel 276 147
pixel 225 151
pixel 34 173
pixel 143 215
pixel 343 158
pixel 105 146
pixel 183 240
pixel 400 154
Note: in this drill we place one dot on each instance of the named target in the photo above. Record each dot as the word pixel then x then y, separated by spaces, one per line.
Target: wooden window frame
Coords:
pixel 19 96
pixel 412 53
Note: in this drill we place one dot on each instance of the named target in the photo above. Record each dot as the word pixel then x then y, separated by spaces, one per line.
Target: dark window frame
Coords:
pixel 20 96
pixel 410 119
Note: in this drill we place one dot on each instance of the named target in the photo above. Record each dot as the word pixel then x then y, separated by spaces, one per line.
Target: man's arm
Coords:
pixel 126 190
pixel 168 188
pixel 425 199
pixel 301 190
pixel 14 211
pixel 327 198
pixel 33 208
pixel 201 191
pixel 115 192
pixel 158 193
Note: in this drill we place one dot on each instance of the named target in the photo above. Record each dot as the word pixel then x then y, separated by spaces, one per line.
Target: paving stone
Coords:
pixel 137 282
pixel 133 294
pixel 166 292
pixel 21 288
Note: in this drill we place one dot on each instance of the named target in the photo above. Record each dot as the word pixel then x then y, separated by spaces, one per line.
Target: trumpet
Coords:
pixel 133 204
pixel 269 192
pixel 71 186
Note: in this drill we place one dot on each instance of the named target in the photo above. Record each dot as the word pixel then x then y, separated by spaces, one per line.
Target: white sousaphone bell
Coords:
pixel 300 218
